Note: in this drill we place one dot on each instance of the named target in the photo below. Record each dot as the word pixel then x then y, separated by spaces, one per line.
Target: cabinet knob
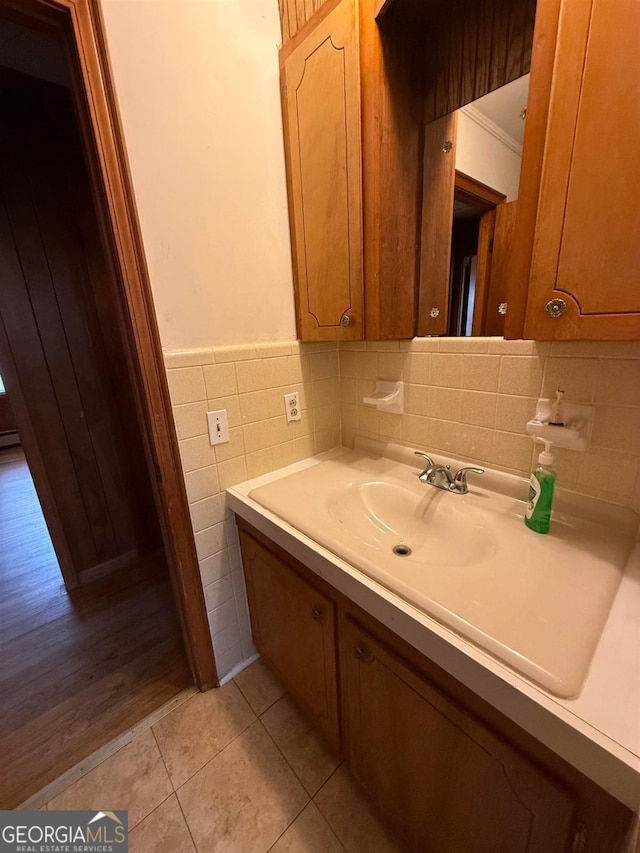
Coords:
pixel 345 320
pixel 317 613
pixel 555 308
pixel 363 654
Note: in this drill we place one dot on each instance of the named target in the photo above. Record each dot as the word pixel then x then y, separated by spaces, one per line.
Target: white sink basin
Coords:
pixel 424 527
pixel 538 603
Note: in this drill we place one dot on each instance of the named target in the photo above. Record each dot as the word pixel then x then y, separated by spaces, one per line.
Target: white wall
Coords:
pixel 484 157
pixel 197 85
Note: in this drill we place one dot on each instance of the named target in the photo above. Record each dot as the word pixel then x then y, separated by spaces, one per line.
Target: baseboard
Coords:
pixel 238 668
pixel 102 569
pixel 9 439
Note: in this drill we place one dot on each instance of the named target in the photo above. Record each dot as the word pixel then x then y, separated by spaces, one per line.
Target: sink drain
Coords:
pixel 402 550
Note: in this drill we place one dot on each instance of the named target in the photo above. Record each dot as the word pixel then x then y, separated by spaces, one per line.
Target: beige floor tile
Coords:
pixel 163 831
pixel 259 686
pixel 310 758
pixel 309 833
pixel 350 815
pixel 244 798
pixel 134 778
pixel 199 728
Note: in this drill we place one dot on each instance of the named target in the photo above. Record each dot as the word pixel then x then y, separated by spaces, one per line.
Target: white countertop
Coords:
pixel 598 732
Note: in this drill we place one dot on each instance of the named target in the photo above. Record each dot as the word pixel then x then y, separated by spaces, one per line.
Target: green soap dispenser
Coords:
pixel 543 479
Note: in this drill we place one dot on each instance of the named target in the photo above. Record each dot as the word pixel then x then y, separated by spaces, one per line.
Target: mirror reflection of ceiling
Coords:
pixel 489 138
pixel 503 107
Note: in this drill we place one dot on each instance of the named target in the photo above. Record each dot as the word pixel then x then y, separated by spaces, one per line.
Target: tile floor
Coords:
pixel 235 769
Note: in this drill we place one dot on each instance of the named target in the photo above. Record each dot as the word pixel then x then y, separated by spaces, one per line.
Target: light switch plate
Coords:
pixel 218 427
pixel 292 407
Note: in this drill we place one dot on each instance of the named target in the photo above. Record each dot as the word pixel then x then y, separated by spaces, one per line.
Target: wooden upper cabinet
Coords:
pixel 351 134
pixel 587 230
pixel 321 97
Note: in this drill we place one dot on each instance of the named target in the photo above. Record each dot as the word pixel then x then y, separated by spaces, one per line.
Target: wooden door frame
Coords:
pixel 101 128
pixel 485 199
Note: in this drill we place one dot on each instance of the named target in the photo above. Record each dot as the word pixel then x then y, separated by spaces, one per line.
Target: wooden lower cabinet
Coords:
pixel 294 629
pixel 454 785
pixel 445 768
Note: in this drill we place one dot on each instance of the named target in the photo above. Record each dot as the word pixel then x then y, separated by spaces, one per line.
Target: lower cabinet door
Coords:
pixel 294 629
pixel 447 781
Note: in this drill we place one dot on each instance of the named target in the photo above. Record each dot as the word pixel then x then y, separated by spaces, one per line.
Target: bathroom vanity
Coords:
pixel 458 749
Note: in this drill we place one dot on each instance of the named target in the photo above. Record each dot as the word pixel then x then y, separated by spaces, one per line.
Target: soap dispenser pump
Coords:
pixel 543 479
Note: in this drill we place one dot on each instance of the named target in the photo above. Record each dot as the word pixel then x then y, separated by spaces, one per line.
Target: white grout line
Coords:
pixel 83 767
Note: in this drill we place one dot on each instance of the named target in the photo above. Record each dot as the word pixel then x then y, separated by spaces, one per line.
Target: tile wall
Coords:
pixel 471 398
pixel 249 382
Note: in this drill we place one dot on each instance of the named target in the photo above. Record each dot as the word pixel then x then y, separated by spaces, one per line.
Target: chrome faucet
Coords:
pixel 441 477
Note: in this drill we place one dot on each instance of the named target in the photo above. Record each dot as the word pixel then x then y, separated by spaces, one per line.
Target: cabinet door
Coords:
pixel 449 782
pixel 588 225
pixel 439 179
pixel 321 114
pixel 294 629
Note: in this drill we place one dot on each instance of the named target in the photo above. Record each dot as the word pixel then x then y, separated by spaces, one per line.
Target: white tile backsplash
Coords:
pixel 249 382
pixel 467 397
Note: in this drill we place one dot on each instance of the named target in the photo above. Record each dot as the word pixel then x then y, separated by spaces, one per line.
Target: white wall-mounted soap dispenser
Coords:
pixel 562 422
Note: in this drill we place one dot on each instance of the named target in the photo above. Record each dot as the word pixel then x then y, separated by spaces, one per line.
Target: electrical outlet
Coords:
pixel 292 407
pixel 218 427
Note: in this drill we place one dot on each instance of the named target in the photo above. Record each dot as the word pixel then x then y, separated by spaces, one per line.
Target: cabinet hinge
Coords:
pixel 579 842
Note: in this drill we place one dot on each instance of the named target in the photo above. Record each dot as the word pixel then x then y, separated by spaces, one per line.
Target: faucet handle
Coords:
pixel 460 480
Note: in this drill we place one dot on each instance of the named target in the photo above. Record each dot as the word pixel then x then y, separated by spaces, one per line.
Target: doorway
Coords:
pixel 76 668
pixel 92 639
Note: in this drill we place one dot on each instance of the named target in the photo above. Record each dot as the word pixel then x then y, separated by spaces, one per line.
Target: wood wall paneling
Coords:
pixel 473 47
pixel 7 418
pixel 101 292
pixel 45 237
pixel 52 508
pixel 294 14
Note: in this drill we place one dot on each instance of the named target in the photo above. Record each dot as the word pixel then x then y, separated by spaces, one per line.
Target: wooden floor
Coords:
pixel 76 669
